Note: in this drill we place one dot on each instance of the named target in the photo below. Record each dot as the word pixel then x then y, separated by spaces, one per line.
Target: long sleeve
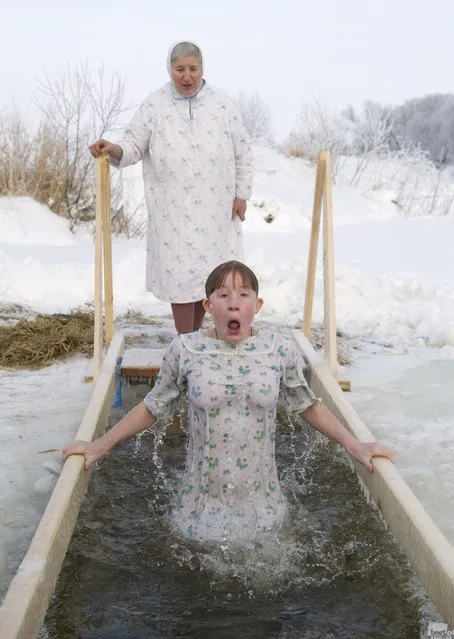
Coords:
pixel 295 394
pixel 162 397
pixel 244 158
pixel 136 138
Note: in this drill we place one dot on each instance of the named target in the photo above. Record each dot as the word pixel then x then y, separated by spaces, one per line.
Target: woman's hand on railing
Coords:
pixel 365 452
pixel 92 451
pixel 104 146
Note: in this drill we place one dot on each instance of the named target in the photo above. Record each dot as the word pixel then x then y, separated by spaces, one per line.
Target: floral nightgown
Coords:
pixel 230 487
pixel 196 158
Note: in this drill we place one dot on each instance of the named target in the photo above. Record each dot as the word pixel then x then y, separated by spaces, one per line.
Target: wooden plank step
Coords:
pixel 141 362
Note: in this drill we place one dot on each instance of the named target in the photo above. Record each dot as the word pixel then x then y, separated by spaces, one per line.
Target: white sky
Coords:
pixel 288 50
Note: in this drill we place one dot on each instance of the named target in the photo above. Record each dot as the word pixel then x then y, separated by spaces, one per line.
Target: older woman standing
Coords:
pixel 197 170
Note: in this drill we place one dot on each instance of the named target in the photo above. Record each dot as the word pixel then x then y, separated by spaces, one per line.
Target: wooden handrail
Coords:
pixel 103 265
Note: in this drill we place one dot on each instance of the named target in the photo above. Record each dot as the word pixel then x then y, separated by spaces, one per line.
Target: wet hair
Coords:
pixel 218 276
pixel 185 49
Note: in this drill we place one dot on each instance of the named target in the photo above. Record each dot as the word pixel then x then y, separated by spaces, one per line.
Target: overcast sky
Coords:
pixel 339 51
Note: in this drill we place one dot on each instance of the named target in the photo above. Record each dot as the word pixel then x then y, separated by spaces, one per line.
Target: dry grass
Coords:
pixel 35 163
pixel 41 340
pixel 316 338
pixel 45 339
pixel 138 317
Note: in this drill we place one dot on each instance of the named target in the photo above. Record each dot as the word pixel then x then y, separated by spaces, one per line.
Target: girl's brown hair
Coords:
pixel 218 276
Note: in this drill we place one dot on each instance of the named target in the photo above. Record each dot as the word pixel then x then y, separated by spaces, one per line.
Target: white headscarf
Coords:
pixel 175 44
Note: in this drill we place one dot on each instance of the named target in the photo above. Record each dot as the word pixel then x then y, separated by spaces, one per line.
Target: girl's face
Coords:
pixel 233 307
pixel 187 74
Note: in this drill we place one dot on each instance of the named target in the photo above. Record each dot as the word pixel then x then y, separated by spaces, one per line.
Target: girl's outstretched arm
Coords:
pixel 323 420
pixel 136 421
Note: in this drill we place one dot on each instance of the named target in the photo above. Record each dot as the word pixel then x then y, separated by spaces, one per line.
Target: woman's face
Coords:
pixel 187 74
pixel 233 307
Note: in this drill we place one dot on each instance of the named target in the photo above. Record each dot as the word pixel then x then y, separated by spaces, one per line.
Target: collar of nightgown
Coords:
pixel 178 96
pixel 197 342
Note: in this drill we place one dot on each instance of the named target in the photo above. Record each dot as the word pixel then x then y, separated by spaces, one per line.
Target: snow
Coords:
pixel 39 411
pixel 394 301
pixel 27 223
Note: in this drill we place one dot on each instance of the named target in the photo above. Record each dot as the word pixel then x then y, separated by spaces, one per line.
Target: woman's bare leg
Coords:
pixel 199 314
pixel 183 317
pixel 188 317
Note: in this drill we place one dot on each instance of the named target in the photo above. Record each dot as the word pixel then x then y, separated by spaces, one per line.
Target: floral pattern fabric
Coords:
pixel 196 159
pixel 231 486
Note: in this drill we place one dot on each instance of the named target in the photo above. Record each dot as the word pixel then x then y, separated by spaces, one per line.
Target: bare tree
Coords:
pixel 363 144
pixel 370 131
pixel 427 122
pixel 76 111
pixel 317 128
pixel 256 116
pixel 15 149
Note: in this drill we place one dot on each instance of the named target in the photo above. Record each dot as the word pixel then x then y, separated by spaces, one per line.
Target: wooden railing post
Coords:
pixel 313 246
pixel 107 252
pixel 329 305
pixel 103 255
pixel 323 202
pixel 98 328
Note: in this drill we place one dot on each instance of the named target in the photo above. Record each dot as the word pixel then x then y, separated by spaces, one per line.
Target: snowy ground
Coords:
pixel 395 301
pixel 39 410
pixel 407 400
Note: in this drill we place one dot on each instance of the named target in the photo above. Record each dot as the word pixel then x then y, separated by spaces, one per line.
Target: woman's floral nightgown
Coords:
pixel 230 487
